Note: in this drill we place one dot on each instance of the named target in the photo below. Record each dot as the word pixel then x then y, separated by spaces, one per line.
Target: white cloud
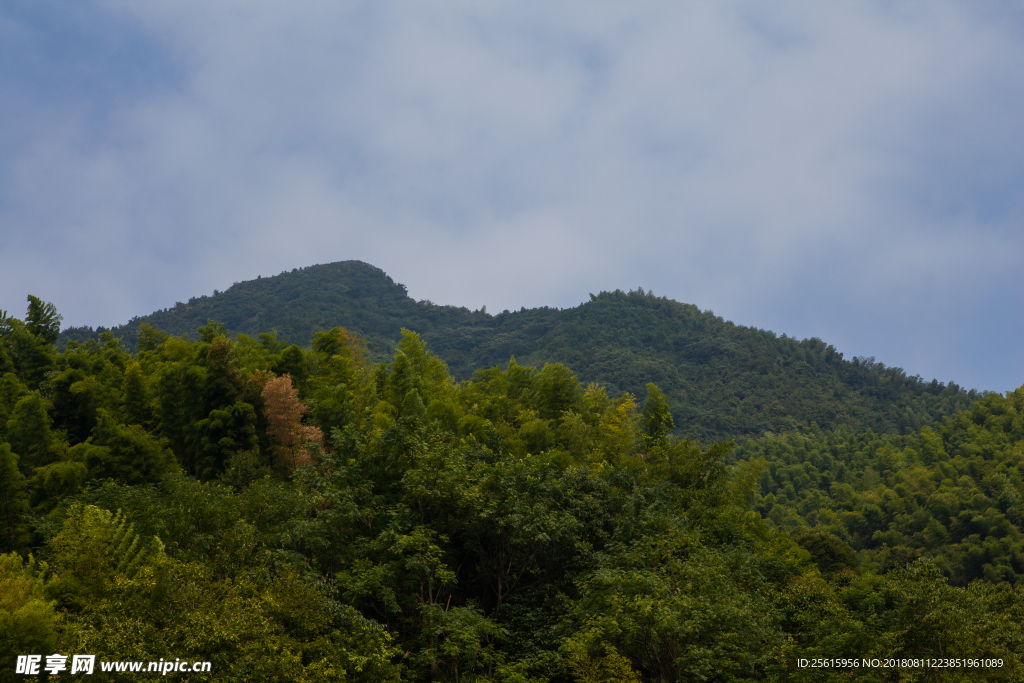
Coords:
pixel 777 162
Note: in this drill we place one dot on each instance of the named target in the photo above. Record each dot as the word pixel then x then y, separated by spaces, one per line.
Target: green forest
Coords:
pixel 722 380
pixel 952 493
pixel 331 509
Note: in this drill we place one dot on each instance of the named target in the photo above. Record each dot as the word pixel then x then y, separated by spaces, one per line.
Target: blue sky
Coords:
pixel 851 171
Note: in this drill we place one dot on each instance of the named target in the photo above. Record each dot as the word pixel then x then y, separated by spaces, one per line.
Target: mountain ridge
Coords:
pixel 723 380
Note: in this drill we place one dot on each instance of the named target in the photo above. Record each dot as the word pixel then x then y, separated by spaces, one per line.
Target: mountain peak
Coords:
pixel 723 380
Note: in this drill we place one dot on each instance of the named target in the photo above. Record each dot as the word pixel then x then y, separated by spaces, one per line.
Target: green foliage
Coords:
pixel 721 380
pixel 612 668
pixel 656 416
pixel 952 494
pixel 93 549
pixel 26 348
pixel 514 526
pixel 6 350
pixel 223 433
pixel 11 391
pixel 54 482
pixel 13 501
pixel 75 403
pixel 138 408
pixel 339 363
pixel 125 599
pixel 42 320
pixel 88 378
pixel 127 453
pixel 277 630
pixel 28 432
pixel 829 552
pixel 910 613
pixel 27 620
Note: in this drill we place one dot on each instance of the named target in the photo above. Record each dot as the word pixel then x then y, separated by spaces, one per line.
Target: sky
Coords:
pixel 852 171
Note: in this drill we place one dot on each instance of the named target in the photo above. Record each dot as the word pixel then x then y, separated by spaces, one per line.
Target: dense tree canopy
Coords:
pixel 721 380
pixel 953 494
pixel 303 514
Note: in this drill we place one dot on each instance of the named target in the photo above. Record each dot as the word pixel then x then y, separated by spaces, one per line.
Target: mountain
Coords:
pixel 312 517
pixel 723 380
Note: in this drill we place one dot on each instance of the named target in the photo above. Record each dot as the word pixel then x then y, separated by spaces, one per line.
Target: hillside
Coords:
pixel 297 304
pixel 313 517
pixel 723 380
pixel 951 494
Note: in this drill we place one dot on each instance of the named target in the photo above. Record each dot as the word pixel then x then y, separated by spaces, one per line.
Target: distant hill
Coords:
pixel 724 380
pixel 296 304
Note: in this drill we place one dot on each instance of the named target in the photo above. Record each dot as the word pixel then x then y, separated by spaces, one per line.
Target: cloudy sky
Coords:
pixel 847 170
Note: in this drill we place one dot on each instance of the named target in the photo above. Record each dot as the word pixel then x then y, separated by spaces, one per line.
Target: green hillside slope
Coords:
pixel 308 516
pixel 953 494
pixel 723 380
pixel 297 304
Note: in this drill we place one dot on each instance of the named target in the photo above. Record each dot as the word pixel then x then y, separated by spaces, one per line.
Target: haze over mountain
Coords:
pixel 723 380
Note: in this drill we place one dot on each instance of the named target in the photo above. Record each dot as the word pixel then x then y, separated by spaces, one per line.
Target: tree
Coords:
pixel 128 599
pixel 680 611
pixel 52 483
pixel 13 501
pixel 27 347
pixel 657 418
pixel 42 320
pixel 829 552
pixel 6 348
pixel 459 642
pixel 126 453
pixel 558 390
pixel 138 409
pixel 222 434
pixel 619 431
pixel 11 391
pixel 413 369
pixel 284 412
pixel 149 338
pixel 28 431
pixel 27 618
pixel 32 358
pixel 610 668
pixel 75 401
pixel 93 548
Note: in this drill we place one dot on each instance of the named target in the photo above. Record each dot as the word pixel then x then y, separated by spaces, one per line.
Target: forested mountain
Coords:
pixel 722 380
pixel 303 514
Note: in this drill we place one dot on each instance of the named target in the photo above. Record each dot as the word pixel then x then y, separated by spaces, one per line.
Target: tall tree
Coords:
pixel 28 432
pixel 13 501
pixel 291 438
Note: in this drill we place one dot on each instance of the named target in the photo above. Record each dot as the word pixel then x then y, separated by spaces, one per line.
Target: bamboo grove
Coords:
pixel 303 514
